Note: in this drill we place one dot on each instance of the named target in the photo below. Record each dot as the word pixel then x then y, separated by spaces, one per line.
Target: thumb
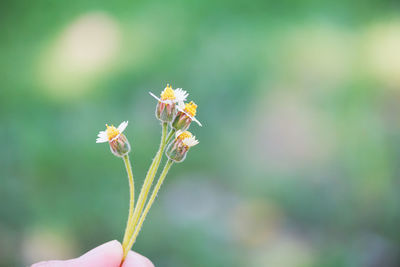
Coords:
pixel 106 255
pixel 136 260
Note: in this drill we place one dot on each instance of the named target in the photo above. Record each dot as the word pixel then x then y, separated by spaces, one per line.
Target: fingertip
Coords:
pixel 116 245
pixel 134 259
pixel 108 254
pixel 112 249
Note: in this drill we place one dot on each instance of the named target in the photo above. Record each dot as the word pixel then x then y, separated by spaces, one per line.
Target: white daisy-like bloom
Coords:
pixel 111 133
pixel 189 109
pixel 170 96
pixel 187 138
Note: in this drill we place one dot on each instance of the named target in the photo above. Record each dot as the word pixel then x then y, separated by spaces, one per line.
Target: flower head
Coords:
pixel 179 147
pixel 186 114
pixel 190 110
pixel 187 138
pixel 111 133
pixel 170 96
pixel 119 144
pixel 166 106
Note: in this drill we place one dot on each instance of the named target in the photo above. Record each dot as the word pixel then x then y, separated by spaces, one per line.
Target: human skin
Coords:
pixel 106 255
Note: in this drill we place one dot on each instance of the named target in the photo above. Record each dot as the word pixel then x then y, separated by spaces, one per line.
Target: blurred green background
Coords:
pixel 298 161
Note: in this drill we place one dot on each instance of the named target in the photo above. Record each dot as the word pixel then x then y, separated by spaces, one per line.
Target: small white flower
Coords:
pixel 111 133
pixel 191 141
pixel 189 109
pixel 170 96
pixel 187 138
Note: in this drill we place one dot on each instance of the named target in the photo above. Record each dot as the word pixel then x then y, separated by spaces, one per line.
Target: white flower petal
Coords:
pixel 181 106
pixel 193 118
pixel 153 95
pixel 102 140
pixel 190 141
pixel 102 134
pixel 122 126
pixel 180 95
pixel 168 101
pixel 102 137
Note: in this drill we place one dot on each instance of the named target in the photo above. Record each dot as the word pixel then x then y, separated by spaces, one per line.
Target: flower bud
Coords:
pixel 181 121
pixel 186 114
pixel 165 112
pixel 178 148
pixel 120 146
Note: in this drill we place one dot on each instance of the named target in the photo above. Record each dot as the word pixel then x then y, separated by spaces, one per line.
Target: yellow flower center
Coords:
pixel 184 135
pixel 168 93
pixel 111 132
pixel 190 108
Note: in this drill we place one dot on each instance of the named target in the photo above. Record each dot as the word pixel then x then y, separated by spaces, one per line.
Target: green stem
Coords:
pixel 150 202
pixel 170 135
pixel 132 197
pixel 146 188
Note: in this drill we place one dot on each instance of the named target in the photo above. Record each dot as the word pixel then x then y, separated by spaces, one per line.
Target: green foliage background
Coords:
pixel 298 161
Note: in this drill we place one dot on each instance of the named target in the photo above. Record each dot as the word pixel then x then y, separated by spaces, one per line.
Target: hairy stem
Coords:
pixel 146 188
pixel 151 201
pixel 170 135
pixel 132 197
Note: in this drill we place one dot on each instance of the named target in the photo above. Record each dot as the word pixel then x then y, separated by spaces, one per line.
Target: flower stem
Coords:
pixel 170 135
pixel 145 189
pixel 151 201
pixel 132 196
